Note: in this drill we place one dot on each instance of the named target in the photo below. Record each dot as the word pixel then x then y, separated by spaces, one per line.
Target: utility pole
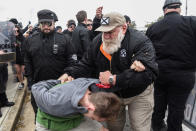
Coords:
pixel 186 8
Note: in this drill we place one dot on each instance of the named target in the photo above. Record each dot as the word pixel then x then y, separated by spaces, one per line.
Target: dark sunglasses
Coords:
pixel 72 26
pixel 17 31
pixel 89 25
pixel 46 23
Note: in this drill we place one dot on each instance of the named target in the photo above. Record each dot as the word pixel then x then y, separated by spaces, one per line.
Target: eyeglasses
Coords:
pixel 46 23
pixel 89 25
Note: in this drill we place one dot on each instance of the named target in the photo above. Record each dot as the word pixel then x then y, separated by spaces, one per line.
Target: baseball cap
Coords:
pixel 110 21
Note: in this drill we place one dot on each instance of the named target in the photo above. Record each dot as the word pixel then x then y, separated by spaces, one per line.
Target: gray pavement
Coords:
pixel 26 119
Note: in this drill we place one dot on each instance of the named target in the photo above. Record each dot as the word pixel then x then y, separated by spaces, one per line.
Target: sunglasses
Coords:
pixel 17 31
pixel 71 26
pixel 46 23
pixel 89 25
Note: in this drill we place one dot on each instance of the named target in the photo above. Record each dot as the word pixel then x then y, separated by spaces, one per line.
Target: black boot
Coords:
pixel 160 127
pixel 4 100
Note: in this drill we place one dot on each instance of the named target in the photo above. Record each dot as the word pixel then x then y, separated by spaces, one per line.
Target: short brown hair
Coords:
pixel 90 20
pixel 81 15
pixel 107 105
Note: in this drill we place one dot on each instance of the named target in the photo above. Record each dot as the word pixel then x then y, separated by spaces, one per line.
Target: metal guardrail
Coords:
pixel 190 110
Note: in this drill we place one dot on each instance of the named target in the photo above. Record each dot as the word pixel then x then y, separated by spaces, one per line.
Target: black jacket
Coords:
pixel 20 49
pixel 25 29
pixel 174 39
pixel 135 46
pixel 96 24
pixel 47 55
pixel 68 33
pixel 81 39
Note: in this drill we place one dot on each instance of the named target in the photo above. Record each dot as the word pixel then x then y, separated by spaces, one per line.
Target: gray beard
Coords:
pixel 112 46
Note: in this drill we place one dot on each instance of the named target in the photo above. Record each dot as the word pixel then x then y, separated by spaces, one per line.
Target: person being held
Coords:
pixel 61 105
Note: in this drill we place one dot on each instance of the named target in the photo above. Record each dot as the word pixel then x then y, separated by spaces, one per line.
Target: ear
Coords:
pixel 85 20
pixel 91 107
pixel 124 27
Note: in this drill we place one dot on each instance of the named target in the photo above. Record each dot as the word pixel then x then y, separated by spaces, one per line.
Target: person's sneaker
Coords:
pixel 20 86
pixel 162 127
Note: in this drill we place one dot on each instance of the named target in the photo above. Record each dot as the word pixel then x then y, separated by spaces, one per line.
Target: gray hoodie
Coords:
pixel 61 99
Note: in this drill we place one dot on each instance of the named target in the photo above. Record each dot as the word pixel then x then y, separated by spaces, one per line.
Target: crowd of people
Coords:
pixel 98 67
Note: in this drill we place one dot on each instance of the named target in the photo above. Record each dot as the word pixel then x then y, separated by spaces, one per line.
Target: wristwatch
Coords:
pixel 111 79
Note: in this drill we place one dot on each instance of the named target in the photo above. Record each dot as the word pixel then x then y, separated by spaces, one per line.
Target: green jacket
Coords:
pixel 54 123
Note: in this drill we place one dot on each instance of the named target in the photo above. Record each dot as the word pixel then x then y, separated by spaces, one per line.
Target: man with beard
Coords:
pixel 124 61
pixel 47 52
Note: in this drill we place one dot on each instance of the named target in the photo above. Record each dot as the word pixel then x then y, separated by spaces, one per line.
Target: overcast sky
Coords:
pixel 140 11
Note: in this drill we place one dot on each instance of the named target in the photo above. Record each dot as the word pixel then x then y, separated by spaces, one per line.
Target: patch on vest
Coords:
pixel 74 56
pixel 123 53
